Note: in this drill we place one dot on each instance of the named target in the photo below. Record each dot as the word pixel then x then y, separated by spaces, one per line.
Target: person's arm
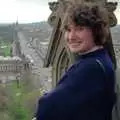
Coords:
pixel 83 83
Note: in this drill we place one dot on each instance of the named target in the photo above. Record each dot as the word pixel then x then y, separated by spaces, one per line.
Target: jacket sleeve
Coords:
pixel 83 84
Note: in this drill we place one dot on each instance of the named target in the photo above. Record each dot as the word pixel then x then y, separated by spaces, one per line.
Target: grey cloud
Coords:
pixel 41 2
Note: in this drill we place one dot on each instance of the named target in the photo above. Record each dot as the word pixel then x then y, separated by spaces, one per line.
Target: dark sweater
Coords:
pixel 85 92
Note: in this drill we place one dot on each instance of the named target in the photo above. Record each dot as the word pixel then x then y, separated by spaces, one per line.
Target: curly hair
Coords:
pixel 90 15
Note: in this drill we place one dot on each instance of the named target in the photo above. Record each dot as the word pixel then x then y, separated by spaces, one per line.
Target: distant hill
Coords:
pixel 38 30
pixel 42 25
pixel 6 32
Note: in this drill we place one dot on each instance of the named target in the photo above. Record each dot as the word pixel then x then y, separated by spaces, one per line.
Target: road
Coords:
pixel 37 68
pixel 26 50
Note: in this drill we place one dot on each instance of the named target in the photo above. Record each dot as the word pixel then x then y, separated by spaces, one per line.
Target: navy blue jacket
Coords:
pixel 85 92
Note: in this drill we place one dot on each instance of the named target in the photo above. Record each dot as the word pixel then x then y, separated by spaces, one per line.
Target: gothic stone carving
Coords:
pixel 53 7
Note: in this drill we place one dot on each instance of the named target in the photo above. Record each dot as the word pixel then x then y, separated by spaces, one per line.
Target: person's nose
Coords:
pixel 72 35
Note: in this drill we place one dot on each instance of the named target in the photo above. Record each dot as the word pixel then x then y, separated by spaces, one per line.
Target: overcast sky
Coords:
pixel 27 11
pixel 24 10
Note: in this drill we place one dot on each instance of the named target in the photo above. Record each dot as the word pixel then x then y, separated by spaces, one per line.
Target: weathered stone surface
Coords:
pixel 111 7
pixel 53 7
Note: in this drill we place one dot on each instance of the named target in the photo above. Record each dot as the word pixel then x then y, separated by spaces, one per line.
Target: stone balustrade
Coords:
pixel 14 66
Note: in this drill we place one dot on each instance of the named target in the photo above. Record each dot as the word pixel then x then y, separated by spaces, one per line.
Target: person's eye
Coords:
pixel 67 28
pixel 80 28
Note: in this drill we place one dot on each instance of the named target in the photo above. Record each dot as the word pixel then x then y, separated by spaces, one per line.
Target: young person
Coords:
pixel 86 91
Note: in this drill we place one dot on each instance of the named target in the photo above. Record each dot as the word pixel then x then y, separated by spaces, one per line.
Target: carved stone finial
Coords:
pixel 111 7
pixel 53 6
pixel 52 19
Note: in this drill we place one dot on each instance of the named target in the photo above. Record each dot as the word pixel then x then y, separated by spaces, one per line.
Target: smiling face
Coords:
pixel 79 38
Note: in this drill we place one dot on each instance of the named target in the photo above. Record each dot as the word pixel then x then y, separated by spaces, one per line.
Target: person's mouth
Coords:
pixel 76 43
